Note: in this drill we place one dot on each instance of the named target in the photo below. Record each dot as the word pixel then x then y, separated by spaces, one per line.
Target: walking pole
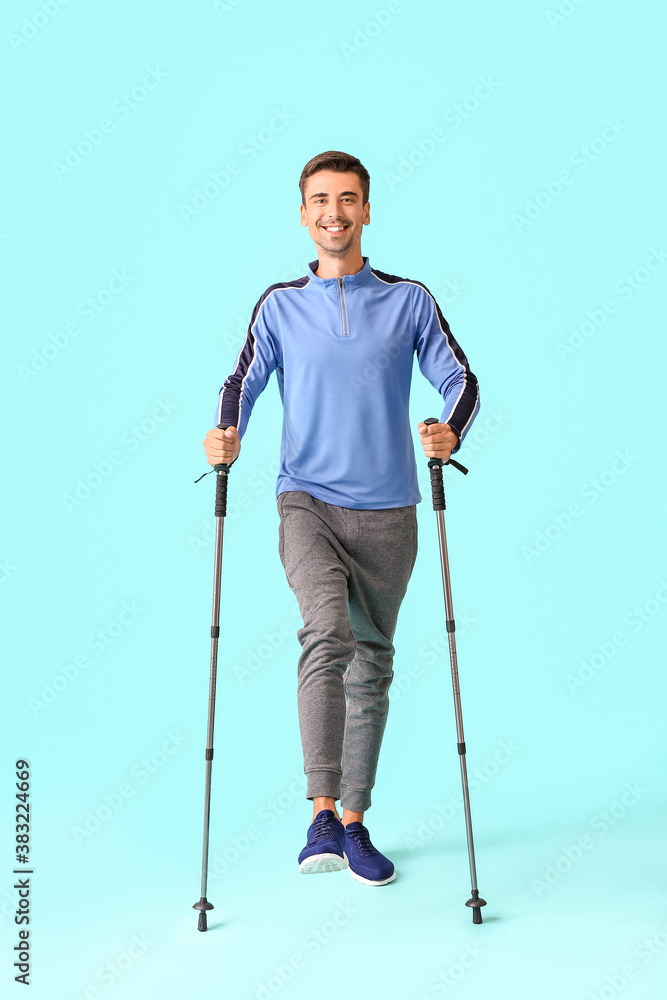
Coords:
pixel 438 496
pixel 221 471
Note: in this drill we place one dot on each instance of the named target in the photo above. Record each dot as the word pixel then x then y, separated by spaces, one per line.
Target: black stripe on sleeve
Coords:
pixel 467 400
pixel 231 393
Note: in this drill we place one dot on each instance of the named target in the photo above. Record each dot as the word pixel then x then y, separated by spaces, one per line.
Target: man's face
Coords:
pixel 334 211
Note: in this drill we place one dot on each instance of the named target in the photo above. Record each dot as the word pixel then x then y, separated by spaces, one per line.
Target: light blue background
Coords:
pixel 550 426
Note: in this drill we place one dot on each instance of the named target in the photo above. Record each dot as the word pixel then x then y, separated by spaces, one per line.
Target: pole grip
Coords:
pixel 222 471
pixel 437 484
pixel 450 461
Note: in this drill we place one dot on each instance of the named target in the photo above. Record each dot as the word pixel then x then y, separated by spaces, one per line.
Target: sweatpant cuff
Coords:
pixel 323 783
pixel 355 799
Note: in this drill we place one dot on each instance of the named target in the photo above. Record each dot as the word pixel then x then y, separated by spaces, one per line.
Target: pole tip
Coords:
pixel 203 905
pixel 476 902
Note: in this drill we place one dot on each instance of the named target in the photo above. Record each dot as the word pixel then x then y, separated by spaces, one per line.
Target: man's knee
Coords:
pixel 375 647
pixel 333 645
pixel 373 668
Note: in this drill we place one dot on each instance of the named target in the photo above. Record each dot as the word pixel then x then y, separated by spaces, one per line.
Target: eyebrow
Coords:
pixel 325 194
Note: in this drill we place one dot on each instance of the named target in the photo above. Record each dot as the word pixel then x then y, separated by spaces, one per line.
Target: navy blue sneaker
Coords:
pixel 324 849
pixel 366 863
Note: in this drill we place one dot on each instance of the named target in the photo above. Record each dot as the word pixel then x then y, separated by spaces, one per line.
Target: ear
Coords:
pixel 367 213
pixel 304 221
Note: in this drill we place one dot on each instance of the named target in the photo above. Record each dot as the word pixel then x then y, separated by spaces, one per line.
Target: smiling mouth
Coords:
pixel 335 229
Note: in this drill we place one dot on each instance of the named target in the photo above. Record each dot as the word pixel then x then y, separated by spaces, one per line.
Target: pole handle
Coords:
pixel 439 461
pixel 437 484
pixel 222 471
pixel 222 467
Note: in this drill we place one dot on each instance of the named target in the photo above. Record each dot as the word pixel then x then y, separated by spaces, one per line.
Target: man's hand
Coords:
pixel 222 447
pixel 438 440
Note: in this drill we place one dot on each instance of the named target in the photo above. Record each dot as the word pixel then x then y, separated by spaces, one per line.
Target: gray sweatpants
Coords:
pixel 349 570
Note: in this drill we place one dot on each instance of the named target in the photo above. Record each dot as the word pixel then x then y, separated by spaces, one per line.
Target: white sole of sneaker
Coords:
pixel 368 881
pixel 318 863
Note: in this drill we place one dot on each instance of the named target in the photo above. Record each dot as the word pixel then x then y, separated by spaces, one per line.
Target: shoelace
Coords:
pixel 322 829
pixel 362 840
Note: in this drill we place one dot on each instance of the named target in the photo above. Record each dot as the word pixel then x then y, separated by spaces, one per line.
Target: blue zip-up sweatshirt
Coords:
pixel 343 351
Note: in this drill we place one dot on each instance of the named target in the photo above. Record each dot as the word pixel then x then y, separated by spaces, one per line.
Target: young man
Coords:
pixel 341 340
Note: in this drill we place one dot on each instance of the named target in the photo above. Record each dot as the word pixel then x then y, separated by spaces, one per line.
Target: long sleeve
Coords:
pixel 254 364
pixel 444 364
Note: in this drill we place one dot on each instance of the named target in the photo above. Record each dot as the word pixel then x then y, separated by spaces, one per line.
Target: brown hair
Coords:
pixel 333 159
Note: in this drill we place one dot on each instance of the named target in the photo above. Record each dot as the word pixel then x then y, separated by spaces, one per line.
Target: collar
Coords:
pixel 349 280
